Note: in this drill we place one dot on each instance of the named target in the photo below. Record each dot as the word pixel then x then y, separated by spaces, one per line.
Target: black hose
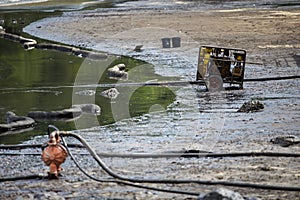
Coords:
pixel 179 181
pixel 27 146
pixel 53 127
pixel 132 181
pixel 197 82
pixel 124 182
pixel 200 155
pixel 16 178
pixel 169 155
pixel 167 83
pixel 271 78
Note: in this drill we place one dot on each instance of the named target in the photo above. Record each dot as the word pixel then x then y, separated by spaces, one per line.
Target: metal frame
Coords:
pixel 218 66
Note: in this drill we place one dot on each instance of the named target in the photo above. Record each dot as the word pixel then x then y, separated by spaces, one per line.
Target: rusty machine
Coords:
pixel 221 67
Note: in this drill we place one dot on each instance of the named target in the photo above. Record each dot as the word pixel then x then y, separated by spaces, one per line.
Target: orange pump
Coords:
pixel 54 154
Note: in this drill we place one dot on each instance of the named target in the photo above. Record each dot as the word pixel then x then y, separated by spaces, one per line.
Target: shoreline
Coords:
pixel 118 32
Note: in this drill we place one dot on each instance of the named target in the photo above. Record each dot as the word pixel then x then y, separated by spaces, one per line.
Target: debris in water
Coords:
pixel 118 71
pixel 111 93
pixel 88 108
pixel 86 92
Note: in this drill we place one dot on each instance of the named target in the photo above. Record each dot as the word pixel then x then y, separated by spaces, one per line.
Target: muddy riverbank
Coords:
pixel 268 34
pixel 195 120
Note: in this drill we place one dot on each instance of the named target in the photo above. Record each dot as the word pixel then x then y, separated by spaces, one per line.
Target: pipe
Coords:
pixel 132 181
pixel 28 146
pixel 124 182
pixel 167 181
pixel 163 155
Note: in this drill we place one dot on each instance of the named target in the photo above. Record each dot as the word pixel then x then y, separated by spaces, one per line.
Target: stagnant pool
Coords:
pixel 49 80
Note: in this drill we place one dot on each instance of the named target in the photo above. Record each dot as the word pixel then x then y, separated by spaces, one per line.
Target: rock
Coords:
pixel 111 93
pixel 222 194
pixel 121 66
pixel 286 140
pixel 14 122
pixel 225 194
pixel 138 48
pixel 65 114
pixel 86 92
pixel 89 108
pixel 118 71
pixel 252 198
pixel 251 106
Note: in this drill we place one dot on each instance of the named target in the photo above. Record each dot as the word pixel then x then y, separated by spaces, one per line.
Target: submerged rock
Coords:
pixel 89 108
pixel 15 122
pixel 251 106
pixel 86 92
pixel 64 114
pixel 111 93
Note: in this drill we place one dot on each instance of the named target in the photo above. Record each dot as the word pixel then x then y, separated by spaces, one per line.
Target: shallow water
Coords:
pixel 44 80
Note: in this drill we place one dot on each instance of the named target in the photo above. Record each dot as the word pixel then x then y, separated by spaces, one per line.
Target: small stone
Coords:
pixel 220 175
pixel 251 106
pixel 286 140
pixel 86 92
pixel 222 194
pixel 118 71
pixel 111 93
pixel 252 198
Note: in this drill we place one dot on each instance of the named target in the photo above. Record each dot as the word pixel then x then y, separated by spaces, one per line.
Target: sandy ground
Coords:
pixel 267 31
pixel 270 36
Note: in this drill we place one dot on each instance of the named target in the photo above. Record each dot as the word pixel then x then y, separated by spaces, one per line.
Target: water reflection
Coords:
pixel 40 80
